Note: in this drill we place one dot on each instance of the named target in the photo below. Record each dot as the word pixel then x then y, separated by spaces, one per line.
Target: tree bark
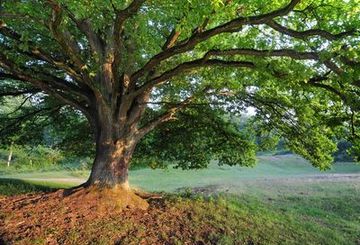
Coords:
pixel 116 139
pixel 116 136
pixel 111 164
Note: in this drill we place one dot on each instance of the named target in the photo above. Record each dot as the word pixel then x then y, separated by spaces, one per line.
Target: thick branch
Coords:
pixel 192 65
pixel 278 53
pixel 308 33
pixel 109 74
pixel 65 40
pixel 123 15
pixel 266 53
pixel 46 82
pixel 95 41
pixel 316 82
pixel 171 40
pixel 197 37
pixel 19 92
pixel 332 66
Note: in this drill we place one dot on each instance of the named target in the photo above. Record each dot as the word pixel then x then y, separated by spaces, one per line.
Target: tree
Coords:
pixel 131 66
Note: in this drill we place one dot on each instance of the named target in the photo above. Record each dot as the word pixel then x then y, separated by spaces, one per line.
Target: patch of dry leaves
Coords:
pixel 93 217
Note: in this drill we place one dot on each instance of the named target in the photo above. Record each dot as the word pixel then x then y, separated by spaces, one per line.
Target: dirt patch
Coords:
pixel 51 218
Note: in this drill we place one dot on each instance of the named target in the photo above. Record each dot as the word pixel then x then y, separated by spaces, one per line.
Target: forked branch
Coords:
pixel 198 37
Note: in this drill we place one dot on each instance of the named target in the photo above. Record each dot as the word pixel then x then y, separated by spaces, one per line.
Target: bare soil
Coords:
pixel 89 217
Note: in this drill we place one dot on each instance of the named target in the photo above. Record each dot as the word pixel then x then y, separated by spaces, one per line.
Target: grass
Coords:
pixel 9 187
pixel 239 220
pixel 268 168
pixel 169 180
pixel 283 200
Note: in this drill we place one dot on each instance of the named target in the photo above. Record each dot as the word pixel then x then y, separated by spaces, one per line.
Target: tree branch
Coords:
pixel 197 37
pixel 65 39
pixel 278 53
pixel 316 82
pixel 266 53
pixel 191 65
pixel 123 15
pixel 20 106
pixel 38 53
pixel 171 40
pixel 166 116
pixel 95 41
pixel 308 33
pixel 47 83
pixel 22 118
pixel 19 92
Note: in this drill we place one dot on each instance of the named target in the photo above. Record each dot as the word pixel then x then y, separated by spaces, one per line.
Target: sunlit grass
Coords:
pixel 280 201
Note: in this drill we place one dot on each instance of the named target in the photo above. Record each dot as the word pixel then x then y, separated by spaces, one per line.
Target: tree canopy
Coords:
pixel 171 75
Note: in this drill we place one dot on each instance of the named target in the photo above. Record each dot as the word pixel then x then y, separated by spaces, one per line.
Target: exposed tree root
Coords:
pixel 96 197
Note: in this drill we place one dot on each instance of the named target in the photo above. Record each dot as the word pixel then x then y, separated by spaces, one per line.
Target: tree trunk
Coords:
pixel 111 164
pixel 115 118
pixel 10 155
pixel 115 144
pixel 107 187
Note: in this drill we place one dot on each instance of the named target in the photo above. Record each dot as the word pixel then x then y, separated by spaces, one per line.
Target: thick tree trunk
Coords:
pixel 115 144
pixel 111 164
pixel 115 116
pixel 107 187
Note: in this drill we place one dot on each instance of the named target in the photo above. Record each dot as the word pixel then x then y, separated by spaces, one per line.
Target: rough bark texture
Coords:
pixel 116 138
pixel 111 163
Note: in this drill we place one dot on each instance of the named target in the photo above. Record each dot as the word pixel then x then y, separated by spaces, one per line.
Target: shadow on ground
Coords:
pixel 9 187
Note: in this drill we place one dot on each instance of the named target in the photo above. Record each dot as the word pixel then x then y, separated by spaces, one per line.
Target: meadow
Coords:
pixel 283 200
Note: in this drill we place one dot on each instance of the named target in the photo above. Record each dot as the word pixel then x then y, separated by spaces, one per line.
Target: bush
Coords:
pixel 31 157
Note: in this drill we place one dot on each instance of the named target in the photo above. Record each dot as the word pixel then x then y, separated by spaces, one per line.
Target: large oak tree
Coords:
pixel 174 71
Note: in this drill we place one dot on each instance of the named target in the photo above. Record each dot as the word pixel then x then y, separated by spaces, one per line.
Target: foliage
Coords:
pixel 31 157
pixel 28 121
pixel 197 136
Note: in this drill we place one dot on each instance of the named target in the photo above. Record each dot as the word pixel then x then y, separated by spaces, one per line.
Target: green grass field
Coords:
pixel 287 200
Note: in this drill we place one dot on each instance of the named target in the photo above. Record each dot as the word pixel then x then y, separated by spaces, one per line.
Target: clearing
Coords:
pixel 282 200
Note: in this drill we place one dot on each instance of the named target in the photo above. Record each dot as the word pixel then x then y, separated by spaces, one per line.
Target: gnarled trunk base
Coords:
pixel 107 186
pixel 103 199
pixel 108 181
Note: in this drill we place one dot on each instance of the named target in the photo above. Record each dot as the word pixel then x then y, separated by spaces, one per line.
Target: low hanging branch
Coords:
pixel 15 121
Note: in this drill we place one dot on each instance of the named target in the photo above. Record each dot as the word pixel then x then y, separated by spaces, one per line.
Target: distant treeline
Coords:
pixel 341 155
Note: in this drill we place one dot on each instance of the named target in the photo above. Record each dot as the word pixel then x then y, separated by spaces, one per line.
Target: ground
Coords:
pixel 281 201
